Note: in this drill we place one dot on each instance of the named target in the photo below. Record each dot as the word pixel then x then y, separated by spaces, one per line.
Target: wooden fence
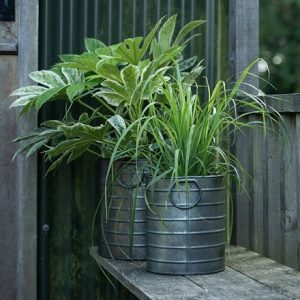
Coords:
pixel 267 220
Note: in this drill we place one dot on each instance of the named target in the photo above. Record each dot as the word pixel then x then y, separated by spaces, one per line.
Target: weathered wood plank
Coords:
pixel 277 277
pixel 242 204
pixel 283 103
pixel 297 141
pixel 146 285
pixel 257 201
pixel 274 234
pixel 244 36
pixel 290 200
pixel 26 180
pixel 231 284
pixel 8 173
pixel 242 279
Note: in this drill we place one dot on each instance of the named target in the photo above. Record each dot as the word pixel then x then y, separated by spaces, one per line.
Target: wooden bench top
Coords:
pixel 247 276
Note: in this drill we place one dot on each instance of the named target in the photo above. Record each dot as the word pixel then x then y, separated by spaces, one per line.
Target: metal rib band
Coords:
pixel 199 204
pixel 185 262
pixel 184 219
pixel 123 246
pixel 185 233
pixel 184 247
pixel 190 190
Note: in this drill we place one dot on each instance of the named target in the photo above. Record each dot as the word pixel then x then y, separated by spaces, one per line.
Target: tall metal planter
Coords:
pixel 186 226
pixel 123 220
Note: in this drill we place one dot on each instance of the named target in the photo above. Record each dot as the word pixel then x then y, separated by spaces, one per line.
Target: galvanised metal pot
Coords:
pixel 186 227
pixel 123 229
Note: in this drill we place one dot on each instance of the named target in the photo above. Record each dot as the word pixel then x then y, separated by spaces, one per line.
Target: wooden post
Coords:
pixel 243 36
pixel 26 181
pixel 243 49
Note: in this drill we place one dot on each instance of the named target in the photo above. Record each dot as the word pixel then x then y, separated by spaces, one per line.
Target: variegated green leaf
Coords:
pixel 188 28
pixel 47 78
pixel 130 75
pixel 29 90
pixel 22 101
pixel 72 75
pixel 45 97
pixel 116 87
pixel 118 123
pixel 75 90
pixel 110 97
pixel 80 130
pixel 166 33
pixel 108 71
pixel 92 44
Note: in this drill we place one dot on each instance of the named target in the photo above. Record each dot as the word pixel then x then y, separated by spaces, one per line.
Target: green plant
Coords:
pixel 109 86
pixel 190 136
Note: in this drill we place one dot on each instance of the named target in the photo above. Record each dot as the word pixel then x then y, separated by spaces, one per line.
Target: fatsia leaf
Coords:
pixel 118 123
pixel 51 123
pixel 92 44
pixel 186 30
pixel 109 71
pixel 187 63
pixel 110 97
pixel 62 148
pixel 36 147
pixel 84 118
pixel 47 78
pixel 47 96
pixel 115 87
pixel 155 48
pixel 80 130
pixel 168 55
pixel 166 33
pixel 130 75
pixel 23 101
pixel 78 151
pixel 105 51
pixel 72 75
pixel 68 57
pixel 190 77
pixel 29 90
pixel 132 50
pixel 75 90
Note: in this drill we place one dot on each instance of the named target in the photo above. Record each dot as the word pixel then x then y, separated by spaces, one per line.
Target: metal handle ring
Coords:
pixel 128 186
pixel 191 205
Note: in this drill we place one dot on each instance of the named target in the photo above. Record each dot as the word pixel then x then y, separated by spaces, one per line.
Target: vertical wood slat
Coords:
pixel 244 36
pixel 242 206
pixel 290 182
pixel 26 182
pixel 274 165
pixel 257 199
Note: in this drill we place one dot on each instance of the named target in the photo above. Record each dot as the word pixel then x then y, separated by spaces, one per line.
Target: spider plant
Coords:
pixel 189 135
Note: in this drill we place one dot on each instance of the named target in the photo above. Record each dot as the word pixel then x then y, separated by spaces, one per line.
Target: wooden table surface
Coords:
pixel 247 276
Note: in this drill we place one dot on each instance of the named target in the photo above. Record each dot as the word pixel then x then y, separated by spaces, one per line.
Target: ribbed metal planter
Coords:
pixel 186 234
pixel 123 230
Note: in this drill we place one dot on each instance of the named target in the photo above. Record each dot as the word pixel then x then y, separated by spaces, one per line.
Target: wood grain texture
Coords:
pixel 273 213
pixel 276 276
pixel 243 37
pixel 247 276
pixel 8 174
pixel 26 181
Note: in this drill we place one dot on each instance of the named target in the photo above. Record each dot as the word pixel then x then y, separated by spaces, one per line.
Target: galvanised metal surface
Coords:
pixel 186 230
pixel 123 234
